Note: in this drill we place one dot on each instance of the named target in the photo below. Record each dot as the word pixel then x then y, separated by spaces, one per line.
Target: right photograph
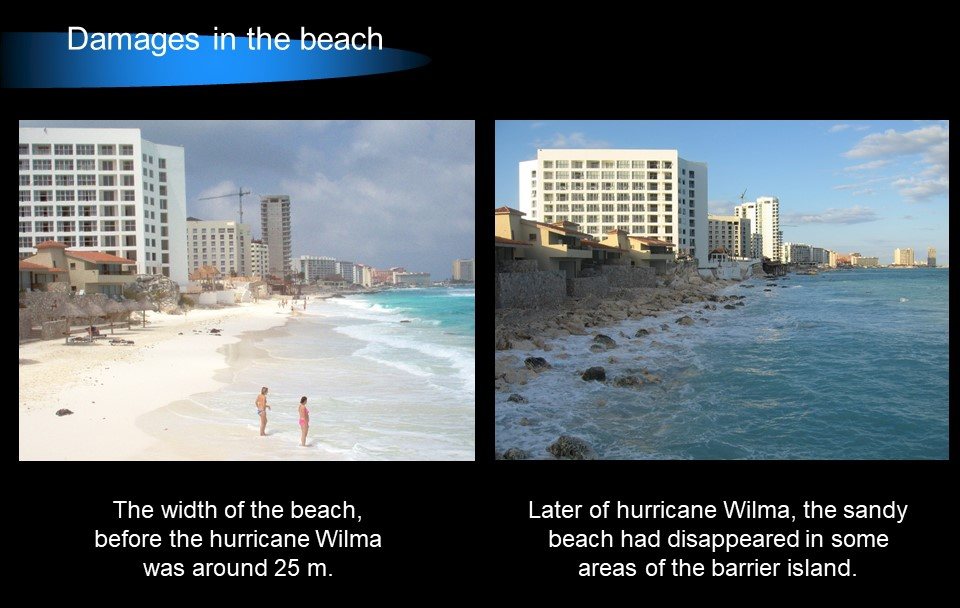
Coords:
pixel 722 290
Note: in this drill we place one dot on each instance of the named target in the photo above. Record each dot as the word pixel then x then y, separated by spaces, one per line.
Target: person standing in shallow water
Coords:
pixel 262 408
pixel 304 421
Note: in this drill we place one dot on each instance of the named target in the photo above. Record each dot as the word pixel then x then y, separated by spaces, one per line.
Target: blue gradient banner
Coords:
pixel 43 60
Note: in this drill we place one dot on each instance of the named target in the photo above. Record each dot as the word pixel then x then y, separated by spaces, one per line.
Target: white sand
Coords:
pixel 108 387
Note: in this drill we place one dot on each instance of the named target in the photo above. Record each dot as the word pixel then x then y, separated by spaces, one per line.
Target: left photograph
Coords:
pixel 246 290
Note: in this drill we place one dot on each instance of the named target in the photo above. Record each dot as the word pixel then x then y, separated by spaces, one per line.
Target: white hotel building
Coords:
pixel 316 267
pixel 259 259
pixel 104 190
pixel 731 233
pixel 647 193
pixel 764 216
pixel 225 245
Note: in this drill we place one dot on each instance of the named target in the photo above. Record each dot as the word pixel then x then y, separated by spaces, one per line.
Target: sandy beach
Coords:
pixel 109 387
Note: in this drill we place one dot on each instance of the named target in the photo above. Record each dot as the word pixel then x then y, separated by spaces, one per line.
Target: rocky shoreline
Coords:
pixel 545 329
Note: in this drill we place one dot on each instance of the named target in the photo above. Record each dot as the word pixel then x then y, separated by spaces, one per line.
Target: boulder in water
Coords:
pixel 517 398
pixel 685 320
pixel 568 447
pixel 537 364
pixel 595 373
pixel 603 341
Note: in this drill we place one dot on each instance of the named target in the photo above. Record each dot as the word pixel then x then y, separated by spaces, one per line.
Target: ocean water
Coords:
pixel 844 365
pixel 379 388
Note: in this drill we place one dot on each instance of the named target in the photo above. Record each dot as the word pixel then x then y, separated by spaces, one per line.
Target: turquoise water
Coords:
pixel 844 365
pixel 389 376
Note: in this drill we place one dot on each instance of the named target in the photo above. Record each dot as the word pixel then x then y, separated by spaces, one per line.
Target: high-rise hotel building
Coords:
pixel 648 193
pixel 225 245
pixel 104 190
pixel 275 232
pixel 764 216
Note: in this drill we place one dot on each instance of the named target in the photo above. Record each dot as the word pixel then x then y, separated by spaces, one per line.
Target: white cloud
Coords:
pixel 844 126
pixel 919 189
pixel 932 143
pixel 722 207
pixel 577 139
pixel 846 186
pixel 865 192
pixel 869 165
pixel 850 215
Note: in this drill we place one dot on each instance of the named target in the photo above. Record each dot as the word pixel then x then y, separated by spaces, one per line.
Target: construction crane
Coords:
pixel 240 193
pixel 741 195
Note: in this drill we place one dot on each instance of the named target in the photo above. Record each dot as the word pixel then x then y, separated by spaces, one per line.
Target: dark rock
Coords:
pixel 517 398
pixel 628 382
pixel 783 287
pixel 514 454
pixel 642 332
pixel 768 290
pixel 595 373
pixel 665 327
pixel 739 304
pixel 685 320
pixel 63 412
pixel 405 320
pixel 537 364
pixel 604 341
pixel 525 421
pixel 713 298
pixel 749 286
pixel 503 344
pixel 729 306
pixel 569 447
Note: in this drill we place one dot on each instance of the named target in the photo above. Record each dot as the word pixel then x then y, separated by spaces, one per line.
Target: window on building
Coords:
pixel 86 180
pixel 108 150
pixel 44 226
pixel 25 196
pixel 24 180
pixel 108 180
pixel 86 164
pixel 42 180
pixel 42 164
pixel 108 195
pixel 43 149
pixel 64 195
pixel 108 210
pixel 85 150
pixel 24 149
pixel 126 150
pixel 43 195
pixel 64 180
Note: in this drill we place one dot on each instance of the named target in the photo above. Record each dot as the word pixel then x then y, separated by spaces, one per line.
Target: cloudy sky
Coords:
pixel 867 186
pixel 383 193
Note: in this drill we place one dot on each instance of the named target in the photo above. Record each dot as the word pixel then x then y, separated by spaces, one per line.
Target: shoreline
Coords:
pixel 108 388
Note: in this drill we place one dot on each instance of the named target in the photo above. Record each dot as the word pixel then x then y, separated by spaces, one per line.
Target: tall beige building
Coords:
pixel 259 259
pixel 225 245
pixel 275 232
pixel 646 193
pixel 730 232
pixel 463 270
pixel 903 257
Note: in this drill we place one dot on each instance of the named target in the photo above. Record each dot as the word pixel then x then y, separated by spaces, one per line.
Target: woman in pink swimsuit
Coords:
pixel 304 421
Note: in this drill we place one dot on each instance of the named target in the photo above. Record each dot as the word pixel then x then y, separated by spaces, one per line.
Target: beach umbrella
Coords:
pixel 131 306
pixel 71 311
pixel 93 310
pixel 114 309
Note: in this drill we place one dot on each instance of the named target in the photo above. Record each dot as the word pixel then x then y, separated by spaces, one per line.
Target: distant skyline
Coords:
pixel 848 186
pixel 384 193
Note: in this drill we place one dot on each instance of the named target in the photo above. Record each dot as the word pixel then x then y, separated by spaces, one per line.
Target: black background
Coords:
pixel 464 525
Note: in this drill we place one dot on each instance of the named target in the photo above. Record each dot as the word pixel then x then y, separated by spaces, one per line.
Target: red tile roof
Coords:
pixel 51 245
pixel 500 210
pixel 596 245
pixel 99 257
pixel 502 241
pixel 654 242
pixel 24 265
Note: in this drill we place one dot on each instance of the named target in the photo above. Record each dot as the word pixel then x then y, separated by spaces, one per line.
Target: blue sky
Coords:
pixel 867 186
pixel 385 193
